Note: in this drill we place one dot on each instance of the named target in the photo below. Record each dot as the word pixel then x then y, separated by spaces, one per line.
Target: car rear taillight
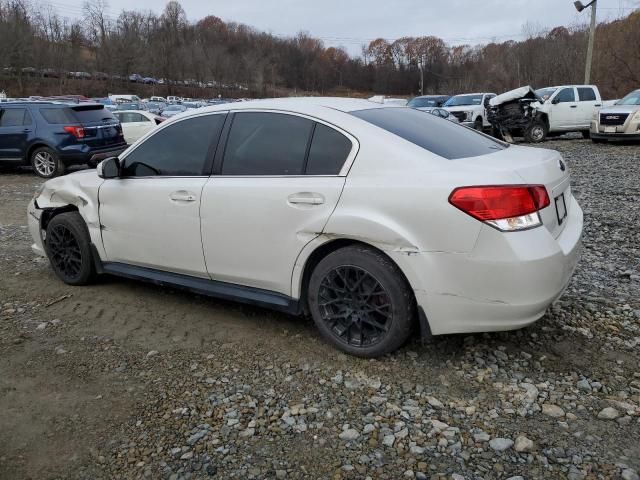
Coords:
pixel 76 131
pixel 505 207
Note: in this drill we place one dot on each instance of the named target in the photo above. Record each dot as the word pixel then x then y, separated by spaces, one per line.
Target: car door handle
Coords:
pixel 308 198
pixel 573 106
pixel 26 130
pixel 182 196
pixel 598 105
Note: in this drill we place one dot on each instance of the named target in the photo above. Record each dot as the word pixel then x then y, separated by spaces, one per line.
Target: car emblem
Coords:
pixel 562 166
pixel 612 117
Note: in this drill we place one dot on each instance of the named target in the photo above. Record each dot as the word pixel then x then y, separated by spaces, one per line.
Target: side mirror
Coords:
pixel 109 168
pixel 555 101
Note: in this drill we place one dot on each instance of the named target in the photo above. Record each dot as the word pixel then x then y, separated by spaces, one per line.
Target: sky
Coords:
pixel 351 23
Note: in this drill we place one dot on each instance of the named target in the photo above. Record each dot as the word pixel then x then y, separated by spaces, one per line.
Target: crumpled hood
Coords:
pixel 516 94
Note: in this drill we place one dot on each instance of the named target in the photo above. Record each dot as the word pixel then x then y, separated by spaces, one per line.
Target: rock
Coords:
pixel 349 435
pixel 280 474
pixel 187 456
pixel 152 353
pixel 501 444
pixel 608 413
pixel 60 351
pixel 195 438
pixel 41 326
pixel 629 474
pixel 584 385
pixel 523 444
pixel 435 403
pixel 553 411
pixel 481 437
pixel 388 440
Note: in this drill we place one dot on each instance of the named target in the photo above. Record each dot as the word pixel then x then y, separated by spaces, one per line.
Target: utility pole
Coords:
pixel 421 78
pixel 592 33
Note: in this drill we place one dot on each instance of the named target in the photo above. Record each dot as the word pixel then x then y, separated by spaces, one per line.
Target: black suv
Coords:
pixel 51 136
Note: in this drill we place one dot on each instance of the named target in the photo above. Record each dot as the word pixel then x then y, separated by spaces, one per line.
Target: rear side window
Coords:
pixel 586 94
pixel 266 144
pixel 435 134
pixel 92 114
pixel 14 117
pixel 566 95
pixel 57 115
pixel 328 152
pixel 179 150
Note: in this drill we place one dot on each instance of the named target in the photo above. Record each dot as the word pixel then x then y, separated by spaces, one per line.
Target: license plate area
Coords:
pixel 609 129
pixel 561 208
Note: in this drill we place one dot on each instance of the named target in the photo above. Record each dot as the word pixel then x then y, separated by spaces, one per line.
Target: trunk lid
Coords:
pixel 535 166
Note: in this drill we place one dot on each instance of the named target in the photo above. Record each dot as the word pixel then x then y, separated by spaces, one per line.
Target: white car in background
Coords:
pixel 136 123
pixel 374 219
pixel 470 109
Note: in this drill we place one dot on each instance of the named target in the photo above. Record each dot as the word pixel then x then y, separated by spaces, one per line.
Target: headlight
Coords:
pixel 469 116
pixel 636 117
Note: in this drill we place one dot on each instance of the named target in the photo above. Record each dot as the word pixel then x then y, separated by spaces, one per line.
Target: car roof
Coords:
pixel 300 104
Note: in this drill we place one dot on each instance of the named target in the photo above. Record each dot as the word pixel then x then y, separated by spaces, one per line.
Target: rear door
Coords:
pixel 564 114
pixel 275 184
pixel 16 126
pixel 587 100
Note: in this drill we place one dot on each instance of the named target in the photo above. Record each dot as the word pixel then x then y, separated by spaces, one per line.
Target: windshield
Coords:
pixel 423 102
pixel 460 100
pixel 437 135
pixel 632 99
pixel 545 93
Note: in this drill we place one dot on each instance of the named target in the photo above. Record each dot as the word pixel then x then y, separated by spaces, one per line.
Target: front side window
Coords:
pixel 13 117
pixel 262 143
pixel 179 150
pixel 586 94
pixel 566 95
pixel 329 150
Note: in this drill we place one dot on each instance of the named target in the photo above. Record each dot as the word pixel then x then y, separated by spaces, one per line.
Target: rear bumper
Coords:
pixel 507 281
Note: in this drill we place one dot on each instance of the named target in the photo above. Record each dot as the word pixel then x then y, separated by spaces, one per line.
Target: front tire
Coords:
pixel 537 132
pixel 46 163
pixel 68 247
pixel 477 125
pixel 361 302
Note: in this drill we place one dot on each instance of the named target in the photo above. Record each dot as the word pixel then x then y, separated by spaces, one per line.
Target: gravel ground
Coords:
pixel 127 380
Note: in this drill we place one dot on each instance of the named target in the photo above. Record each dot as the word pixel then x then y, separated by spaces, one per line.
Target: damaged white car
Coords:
pixel 377 220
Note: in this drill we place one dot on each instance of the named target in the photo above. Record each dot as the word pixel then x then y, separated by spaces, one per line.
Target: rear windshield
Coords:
pixel 93 113
pixel 437 135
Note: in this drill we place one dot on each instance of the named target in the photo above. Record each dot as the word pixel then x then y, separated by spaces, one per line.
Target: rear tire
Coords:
pixel 46 163
pixel 598 140
pixel 361 302
pixel 68 247
pixel 537 132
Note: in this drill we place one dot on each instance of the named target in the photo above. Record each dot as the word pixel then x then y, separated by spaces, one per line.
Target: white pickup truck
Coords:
pixel 568 108
pixel 470 109
pixel 545 112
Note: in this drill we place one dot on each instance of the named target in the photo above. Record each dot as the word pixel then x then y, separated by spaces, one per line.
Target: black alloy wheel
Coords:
pixel 355 306
pixel 64 251
pixel 68 247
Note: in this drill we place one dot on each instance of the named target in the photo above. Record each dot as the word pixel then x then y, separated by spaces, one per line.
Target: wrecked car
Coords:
pixel 515 114
pixel 376 220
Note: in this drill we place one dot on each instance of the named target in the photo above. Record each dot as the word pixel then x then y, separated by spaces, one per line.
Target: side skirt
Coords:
pixel 210 288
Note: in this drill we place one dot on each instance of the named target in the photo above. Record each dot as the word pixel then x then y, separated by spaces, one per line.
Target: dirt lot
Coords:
pixel 128 380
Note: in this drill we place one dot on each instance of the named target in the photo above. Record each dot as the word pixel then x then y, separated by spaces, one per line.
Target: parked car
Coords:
pixel 107 102
pixel 131 106
pixel 158 99
pixel 156 107
pixel 136 123
pixel 134 77
pixel 123 98
pixel 52 136
pixel 470 109
pixel 173 109
pixel 173 99
pixel 375 219
pixel 401 102
pixel 440 112
pixel 428 101
pixel 617 122
pixel 149 81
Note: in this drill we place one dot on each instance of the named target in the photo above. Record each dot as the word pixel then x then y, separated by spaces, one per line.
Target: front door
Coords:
pixel 150 216
pixel 277 184
pixel 564 114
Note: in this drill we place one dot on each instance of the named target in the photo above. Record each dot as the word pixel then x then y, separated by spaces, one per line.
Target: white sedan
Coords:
pixel 374 219
pixel 136 123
